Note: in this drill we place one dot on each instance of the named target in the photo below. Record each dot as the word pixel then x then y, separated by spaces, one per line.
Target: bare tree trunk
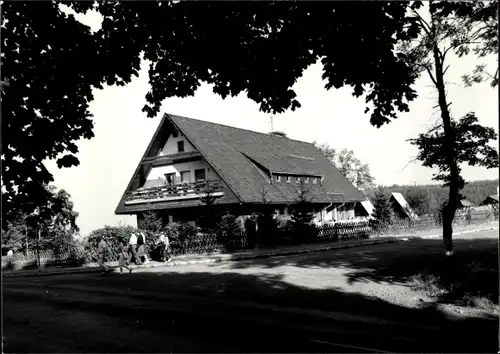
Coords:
pixel 450 143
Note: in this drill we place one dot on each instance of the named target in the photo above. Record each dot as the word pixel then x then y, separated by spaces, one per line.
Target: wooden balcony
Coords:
pixel 176 192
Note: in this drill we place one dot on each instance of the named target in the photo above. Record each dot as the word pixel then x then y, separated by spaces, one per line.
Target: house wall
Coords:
pixel 340 212
pixel 337 212
pixel 160 171
pixel 170 146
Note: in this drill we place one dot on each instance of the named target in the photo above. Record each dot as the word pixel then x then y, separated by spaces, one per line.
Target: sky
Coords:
pixel 122 132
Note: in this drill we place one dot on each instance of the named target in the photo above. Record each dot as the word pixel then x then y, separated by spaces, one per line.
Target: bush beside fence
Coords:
pixel 207 243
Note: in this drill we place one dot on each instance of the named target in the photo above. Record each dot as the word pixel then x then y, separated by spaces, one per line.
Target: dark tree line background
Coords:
pixel 428 199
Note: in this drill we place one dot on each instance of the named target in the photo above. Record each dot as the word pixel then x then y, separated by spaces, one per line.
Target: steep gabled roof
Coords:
pixel 244 160
pixel 230 152
pixel 401 201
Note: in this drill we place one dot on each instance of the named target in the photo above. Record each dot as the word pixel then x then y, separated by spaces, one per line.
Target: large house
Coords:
pixel 190 161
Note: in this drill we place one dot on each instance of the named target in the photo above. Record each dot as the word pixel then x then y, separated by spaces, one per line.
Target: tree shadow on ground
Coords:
pixel 229 312
pixel 471 273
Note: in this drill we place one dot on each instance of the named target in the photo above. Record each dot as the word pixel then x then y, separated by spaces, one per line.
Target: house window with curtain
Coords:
pixel 287 179
pixel 306 179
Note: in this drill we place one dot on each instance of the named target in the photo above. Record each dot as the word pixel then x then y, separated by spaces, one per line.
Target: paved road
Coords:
pixel 284 304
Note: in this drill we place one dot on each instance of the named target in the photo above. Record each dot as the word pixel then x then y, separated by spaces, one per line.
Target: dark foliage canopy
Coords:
pixel 51 63
pixel 471 147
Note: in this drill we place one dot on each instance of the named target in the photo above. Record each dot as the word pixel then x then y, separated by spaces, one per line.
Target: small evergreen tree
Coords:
pixel 303 213
pixel 151 222
pixel 267 225
pixel 209 215
pixel 383 211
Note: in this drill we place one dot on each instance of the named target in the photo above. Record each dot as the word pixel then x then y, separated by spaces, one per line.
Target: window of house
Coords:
pixel 315 180
pixel 185 176
pixel 287 179
pixel 180 146
pixel 297 179
pixel 175 134
pixel 200 174
pixel 277 178
pixel 306 179
pixel 170 177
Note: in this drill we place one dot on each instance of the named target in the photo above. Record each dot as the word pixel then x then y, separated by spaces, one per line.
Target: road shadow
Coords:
pixel 225 312
pixel 471 273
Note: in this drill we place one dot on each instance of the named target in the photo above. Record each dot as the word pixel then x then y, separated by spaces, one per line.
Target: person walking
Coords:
pixel 123 260
pixel 132 245
pixel 141 247
pixel 102 249
pixel 166 250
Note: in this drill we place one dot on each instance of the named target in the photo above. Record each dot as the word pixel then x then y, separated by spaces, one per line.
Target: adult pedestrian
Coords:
pixel 141 247
pixel 123 260
pixel 132 246
pixel 165 249
pixel 102 249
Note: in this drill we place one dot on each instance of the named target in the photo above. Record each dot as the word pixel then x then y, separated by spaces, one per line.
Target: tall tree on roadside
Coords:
pixel 351 167
pixel 450 29
pixel 47 79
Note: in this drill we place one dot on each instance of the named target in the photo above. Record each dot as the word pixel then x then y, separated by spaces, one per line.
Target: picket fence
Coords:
pixel 213 243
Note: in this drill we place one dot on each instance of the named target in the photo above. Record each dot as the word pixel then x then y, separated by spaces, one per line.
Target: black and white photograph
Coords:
pixel 249 176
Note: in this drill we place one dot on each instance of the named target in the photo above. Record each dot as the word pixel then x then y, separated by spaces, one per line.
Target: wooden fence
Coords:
pixel 210 243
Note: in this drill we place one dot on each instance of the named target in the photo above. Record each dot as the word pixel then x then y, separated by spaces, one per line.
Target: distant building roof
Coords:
pixel 368 206
pixel 405 207
pixel 465 203
pixel 491 199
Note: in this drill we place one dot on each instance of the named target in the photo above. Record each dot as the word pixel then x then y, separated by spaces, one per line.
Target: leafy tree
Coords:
pixel 352 168
pixel 382 212
pixel 480 22
pixel 47 79
pixel 418 199
pixel 447 31
pixel 56 220
pixel 14 235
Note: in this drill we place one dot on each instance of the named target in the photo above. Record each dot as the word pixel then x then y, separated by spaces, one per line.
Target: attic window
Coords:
pixel 180 146
pixel 175 134
pixel 287 179
pixel 315 180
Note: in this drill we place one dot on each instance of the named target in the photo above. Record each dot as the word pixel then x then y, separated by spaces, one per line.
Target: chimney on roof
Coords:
pixel 278 134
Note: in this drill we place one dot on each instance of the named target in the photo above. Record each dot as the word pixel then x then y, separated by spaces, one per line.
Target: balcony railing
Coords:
pixel 175 192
